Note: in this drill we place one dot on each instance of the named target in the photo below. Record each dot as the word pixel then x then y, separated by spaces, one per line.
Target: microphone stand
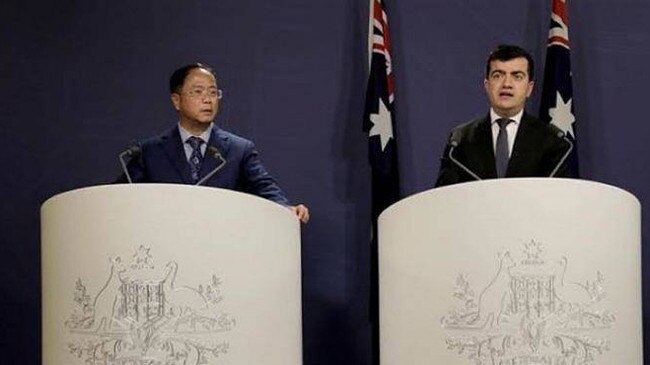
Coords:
pixel 215 153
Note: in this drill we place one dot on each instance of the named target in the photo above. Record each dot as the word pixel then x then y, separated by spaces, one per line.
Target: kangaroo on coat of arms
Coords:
pixel 141 315
pixel 529 312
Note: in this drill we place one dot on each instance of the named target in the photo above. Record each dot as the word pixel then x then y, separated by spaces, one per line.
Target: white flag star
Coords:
pixel 561 115
pixel 383 126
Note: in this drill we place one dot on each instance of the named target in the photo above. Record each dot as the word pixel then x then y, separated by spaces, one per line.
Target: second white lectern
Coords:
pixel 510 272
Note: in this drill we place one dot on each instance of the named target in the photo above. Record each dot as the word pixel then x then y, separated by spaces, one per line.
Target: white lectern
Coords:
pixel 169 274
pixel 512 271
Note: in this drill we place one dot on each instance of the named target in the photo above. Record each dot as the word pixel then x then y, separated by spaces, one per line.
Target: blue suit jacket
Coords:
pixel 162 160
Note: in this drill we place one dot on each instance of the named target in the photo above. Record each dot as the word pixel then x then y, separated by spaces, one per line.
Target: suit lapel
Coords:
pixel 175 151
pixel 523 148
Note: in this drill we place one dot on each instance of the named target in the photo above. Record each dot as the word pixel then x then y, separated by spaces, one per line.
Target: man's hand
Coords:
pixel 301 212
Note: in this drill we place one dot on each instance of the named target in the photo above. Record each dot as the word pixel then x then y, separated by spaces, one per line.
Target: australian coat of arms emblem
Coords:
pixel 529 312
pixel 143 315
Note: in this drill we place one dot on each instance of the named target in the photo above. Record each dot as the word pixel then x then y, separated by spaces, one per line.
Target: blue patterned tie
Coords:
pixel 196 158
pixel 502 153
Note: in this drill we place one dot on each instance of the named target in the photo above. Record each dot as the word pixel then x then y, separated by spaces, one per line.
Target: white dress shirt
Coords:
pixel 185 135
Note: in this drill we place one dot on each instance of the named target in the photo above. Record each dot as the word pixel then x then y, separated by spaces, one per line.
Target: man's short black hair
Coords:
pixel 507 52
pixel 177 79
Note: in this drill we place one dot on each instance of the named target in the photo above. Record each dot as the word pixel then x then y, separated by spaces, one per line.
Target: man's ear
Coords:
pixel 176 100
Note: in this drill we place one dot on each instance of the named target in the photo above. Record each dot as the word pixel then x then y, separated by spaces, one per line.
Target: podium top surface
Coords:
pixel 162 189
pixel 533 184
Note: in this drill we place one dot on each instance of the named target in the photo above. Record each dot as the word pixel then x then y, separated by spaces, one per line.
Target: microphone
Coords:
pixel 216 154
pixel 562 135
pixel 132 152
pixel 454 141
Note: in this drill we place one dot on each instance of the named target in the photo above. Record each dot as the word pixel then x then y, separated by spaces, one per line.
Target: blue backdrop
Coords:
pixel 81 80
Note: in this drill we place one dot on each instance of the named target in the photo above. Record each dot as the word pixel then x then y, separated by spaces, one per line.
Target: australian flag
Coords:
pixel 557 94
pixel 379 123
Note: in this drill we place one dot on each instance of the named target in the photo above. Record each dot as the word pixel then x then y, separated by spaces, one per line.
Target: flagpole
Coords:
pixel 371 9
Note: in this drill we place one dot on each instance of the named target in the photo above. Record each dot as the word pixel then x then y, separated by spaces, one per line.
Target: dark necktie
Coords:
pixel 196 158
pixel 502 153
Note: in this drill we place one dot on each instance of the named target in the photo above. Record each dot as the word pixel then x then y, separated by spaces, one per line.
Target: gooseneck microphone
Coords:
pixel 216 154
pixel 132 152
pixel 454 141
pixel 562 135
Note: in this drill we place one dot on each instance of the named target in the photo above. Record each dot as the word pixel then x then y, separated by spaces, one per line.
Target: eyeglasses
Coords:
pixel 202 93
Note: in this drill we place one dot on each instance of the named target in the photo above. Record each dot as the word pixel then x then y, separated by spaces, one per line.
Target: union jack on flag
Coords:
pixel 557 94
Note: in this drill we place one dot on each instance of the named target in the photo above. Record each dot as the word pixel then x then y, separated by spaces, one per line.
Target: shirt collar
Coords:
pixel 205 136
pixel 515 118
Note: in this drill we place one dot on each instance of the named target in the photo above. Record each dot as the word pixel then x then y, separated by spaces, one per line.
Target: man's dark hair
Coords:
pixel 507 52
pixel 177 79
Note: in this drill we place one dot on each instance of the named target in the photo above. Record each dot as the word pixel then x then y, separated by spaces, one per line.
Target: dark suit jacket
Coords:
pixel 162 160
pixel 536 152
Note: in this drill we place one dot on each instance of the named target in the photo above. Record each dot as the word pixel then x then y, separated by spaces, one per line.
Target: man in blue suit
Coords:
pixel 189 151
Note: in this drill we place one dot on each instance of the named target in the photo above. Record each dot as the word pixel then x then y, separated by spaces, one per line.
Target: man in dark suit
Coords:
pixel 187 152
pixel 507 142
